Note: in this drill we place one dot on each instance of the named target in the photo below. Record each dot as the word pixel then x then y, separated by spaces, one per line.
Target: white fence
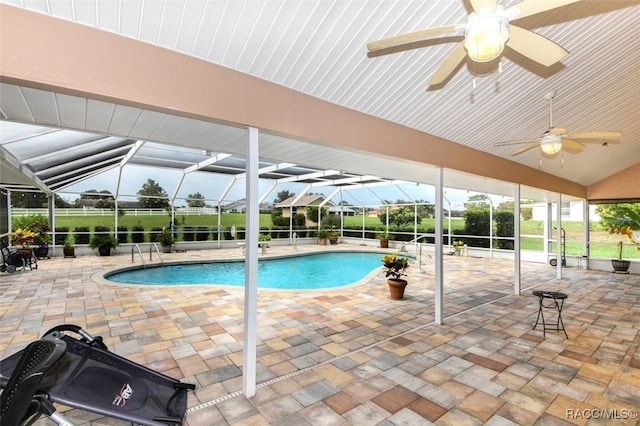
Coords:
pixel 183 211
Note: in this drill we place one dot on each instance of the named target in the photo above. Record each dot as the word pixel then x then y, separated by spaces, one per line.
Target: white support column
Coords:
pixel 249 357
pixel 548 231
pixel 517 258
pixel 490 227
pixel 219 226
pixel 586 218
pixel 438 258
pixel 51 208
pixel 559 237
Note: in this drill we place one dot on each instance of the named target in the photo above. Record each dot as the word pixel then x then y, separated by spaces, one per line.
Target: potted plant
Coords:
pixel 23 237
pixel 333 237
pixel 104 244
pixel 68 249
pixel 166 240
pixel 263 242
pixel 264 238
pixel 323 236
pixel 39 225
pixel 618 264
pixel 457 246
pixel 384 237
pixel 395 270
pixel 627 222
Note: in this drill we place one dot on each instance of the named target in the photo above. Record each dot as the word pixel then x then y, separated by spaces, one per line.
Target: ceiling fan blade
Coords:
pixel 484 4
pixel 535 47
pixel 558 131
pixel 597 135
pixel 518 142
pixel 532 7
pixel 571 146
pixel 449 65
pixel 526 148
pixel 408 38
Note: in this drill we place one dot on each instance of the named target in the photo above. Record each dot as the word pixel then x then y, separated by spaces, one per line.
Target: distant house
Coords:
pixel 570 211
pixel 346 211
pixel 240 206
pixel 300 206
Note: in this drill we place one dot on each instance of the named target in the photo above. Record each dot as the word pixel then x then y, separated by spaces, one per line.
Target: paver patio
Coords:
pixel 352 355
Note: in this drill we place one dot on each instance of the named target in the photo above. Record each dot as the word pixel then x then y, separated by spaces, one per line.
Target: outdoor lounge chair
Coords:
pixel 81 373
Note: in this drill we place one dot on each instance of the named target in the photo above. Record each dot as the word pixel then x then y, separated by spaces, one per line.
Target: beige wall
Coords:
pixel 623 185
pixel 69 58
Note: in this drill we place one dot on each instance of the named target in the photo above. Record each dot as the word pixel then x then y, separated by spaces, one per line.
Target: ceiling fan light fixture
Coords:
pixel 551 144
pixel 486 34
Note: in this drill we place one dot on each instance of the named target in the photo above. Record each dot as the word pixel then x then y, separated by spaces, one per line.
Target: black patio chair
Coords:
pixel 81 373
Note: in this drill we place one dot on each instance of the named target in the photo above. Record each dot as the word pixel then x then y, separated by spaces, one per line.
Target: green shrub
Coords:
pixel 504 228
pixel 202 233
pixel 101 230
pixel 62 232
pixel 476 222
pixel 81 234
pixel 123 232
pixel 188 233
pixel 241 232
pixel 137 234
pixel 154 235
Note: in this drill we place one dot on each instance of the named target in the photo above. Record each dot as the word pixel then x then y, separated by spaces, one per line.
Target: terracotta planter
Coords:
pixel 384 243
pixel 396 288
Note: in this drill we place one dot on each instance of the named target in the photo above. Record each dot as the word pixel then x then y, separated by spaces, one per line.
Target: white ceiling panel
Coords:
pixel 129 18
pixel 13 104
pixel 167 128
pixel 319 48
pixel 98 116
pixel 71 111
pixel 146 124
pixel 123 120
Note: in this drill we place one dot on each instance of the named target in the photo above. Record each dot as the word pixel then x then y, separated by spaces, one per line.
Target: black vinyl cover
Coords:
pixel 99 381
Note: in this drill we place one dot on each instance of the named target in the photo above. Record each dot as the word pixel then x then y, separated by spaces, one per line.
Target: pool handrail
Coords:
pixel 151 247
pixel 137 247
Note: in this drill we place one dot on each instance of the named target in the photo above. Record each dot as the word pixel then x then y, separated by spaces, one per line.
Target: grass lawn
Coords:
pixel 159 221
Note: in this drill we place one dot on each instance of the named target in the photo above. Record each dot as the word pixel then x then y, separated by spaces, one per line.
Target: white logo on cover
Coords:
pixel 121 398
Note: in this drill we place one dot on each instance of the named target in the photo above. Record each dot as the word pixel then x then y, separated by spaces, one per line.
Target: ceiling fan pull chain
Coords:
pixel 500 66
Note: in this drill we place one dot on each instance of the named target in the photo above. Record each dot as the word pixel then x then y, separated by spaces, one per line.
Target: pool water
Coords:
pixel 305 272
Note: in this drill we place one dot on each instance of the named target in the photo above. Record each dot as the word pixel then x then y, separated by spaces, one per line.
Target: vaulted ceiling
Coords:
pixel 319 48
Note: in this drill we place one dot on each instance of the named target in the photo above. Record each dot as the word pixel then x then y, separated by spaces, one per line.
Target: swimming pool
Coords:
pixel 303 272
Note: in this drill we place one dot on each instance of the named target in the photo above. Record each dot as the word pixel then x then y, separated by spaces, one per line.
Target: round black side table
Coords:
pixel 557 300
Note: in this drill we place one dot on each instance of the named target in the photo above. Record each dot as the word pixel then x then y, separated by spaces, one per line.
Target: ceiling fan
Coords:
pixel 557 139
pixel 487 31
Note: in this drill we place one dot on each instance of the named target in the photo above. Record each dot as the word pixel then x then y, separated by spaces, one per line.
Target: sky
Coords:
pixel 212 188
